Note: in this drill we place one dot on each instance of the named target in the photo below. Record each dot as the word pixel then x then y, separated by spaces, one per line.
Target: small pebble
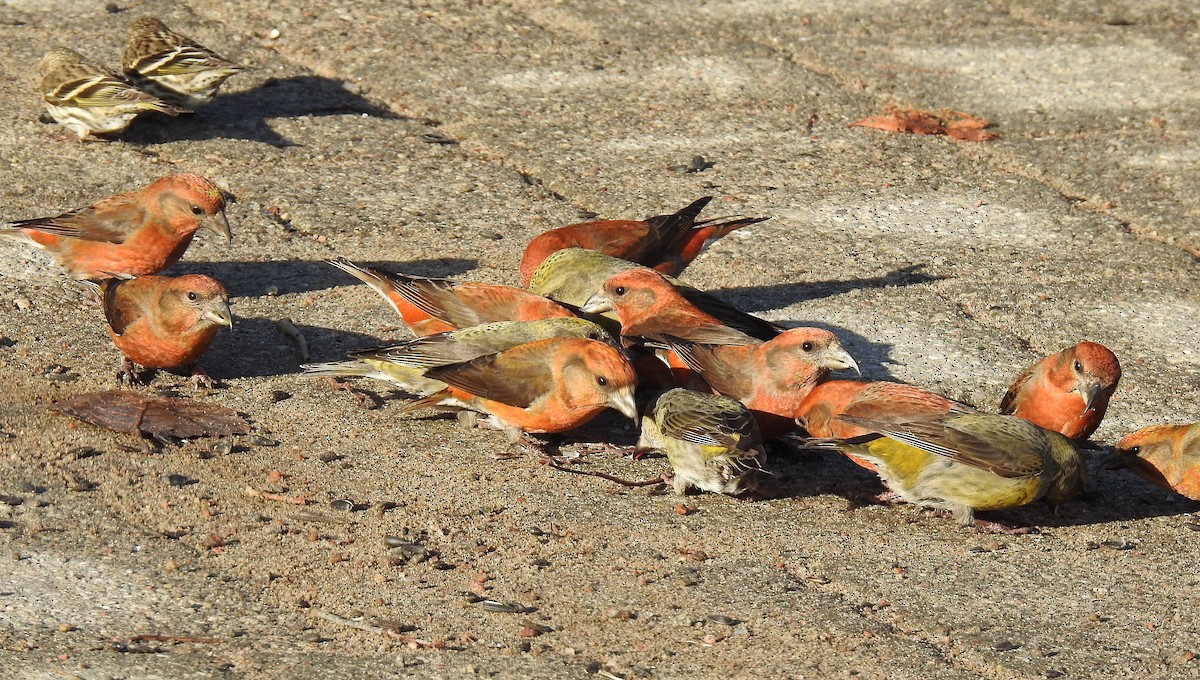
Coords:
pixel 723 620
pixel 342 505
pixel 279 395
pixel 22 303
pixel 500 607
pixel 179 480
pixel 259 440
pixel 222 447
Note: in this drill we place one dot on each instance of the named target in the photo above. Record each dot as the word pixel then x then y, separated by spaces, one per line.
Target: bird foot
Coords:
pixel 128 375
pixel 200 379
pixel 985 527
pixel 361 399
pixel 607 447
pixel 884 497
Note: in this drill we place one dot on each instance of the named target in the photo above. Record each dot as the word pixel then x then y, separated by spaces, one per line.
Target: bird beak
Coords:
pixel 597 303
pixel 221 227
pixel 1088 390
pixel 623 402
pixel 838 358
pixel 219 314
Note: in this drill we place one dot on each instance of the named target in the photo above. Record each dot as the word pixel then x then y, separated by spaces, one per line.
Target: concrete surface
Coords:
pixel 949 265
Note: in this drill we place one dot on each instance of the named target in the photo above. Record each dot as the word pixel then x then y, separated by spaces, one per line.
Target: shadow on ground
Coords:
pixel 280 277
pixel 245 115
pixel 762 298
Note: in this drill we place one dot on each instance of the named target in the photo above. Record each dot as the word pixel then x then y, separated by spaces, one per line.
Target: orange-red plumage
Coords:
pixel 1068 391
pixel 429 306
pixel 1167 456
pixel 771 378
pixel 549 385
pixel 667 243
pixel 164 322
pixel 649 308
pixel 131 234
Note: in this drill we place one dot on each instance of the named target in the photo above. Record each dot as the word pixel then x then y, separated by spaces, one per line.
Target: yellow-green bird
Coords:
pixel 571 276
pixel 963 462
pixel 712 442
pixel 405 364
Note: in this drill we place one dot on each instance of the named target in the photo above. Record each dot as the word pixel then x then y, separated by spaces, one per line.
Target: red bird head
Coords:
pixel 187 199
pixel 196 300
pixel 1093 371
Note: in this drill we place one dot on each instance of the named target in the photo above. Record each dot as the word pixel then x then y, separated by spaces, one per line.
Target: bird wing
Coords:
pixel 728 314
pixel 120 309
pixel 1008 404
pixel 670 229
pixel 699 421
pixel 880 400
pixel 85 88
pixel 112 220
pixel 517 377
pixel 725 377
pixel 1011 447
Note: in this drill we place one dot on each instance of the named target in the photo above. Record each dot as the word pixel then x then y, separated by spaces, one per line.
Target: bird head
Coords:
pixel 205 297
pixel 1095 371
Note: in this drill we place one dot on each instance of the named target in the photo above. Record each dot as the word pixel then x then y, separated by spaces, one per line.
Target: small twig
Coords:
pixel 289 329
pixel 604 475
pixel 268 496
pixel 175 638
pixel 389 633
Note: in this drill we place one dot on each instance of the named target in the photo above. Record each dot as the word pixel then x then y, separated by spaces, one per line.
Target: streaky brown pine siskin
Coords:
pixel 712 442
pixel 172 65
pixel 88 100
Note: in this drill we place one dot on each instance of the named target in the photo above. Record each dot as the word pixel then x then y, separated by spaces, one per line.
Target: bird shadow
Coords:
pixel 776 296
pixel 259 347
pixel 280 277
pixel 245 114
pixel 1116 496
pixel 1113 496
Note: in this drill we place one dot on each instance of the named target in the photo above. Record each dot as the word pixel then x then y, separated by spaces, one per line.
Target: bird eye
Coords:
pixel 620 290
pixel 197 210
pixel 191 295
pixel 601 380
pixel 807 347
pixel 1135 450
pixel 1078 366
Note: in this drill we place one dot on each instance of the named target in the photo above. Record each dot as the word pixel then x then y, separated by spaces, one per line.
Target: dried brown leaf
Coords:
pixel 127 411
pixel 952 123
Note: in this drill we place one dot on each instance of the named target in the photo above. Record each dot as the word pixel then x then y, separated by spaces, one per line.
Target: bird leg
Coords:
pixel 200 379
pixel 128 375
pixel 985 527
pixel 360 398
pixel 884 497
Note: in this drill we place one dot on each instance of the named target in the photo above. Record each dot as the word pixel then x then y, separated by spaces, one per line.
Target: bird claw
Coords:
pixel 128 375
pixel 361 398
pixel 985 527
pixel 200 379
pixel 885 497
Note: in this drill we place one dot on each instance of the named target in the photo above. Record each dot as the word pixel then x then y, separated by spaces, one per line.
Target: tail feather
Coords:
pixel 344 369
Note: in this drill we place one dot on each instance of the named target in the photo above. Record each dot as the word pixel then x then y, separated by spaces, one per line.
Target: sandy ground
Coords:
pixel 948 265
